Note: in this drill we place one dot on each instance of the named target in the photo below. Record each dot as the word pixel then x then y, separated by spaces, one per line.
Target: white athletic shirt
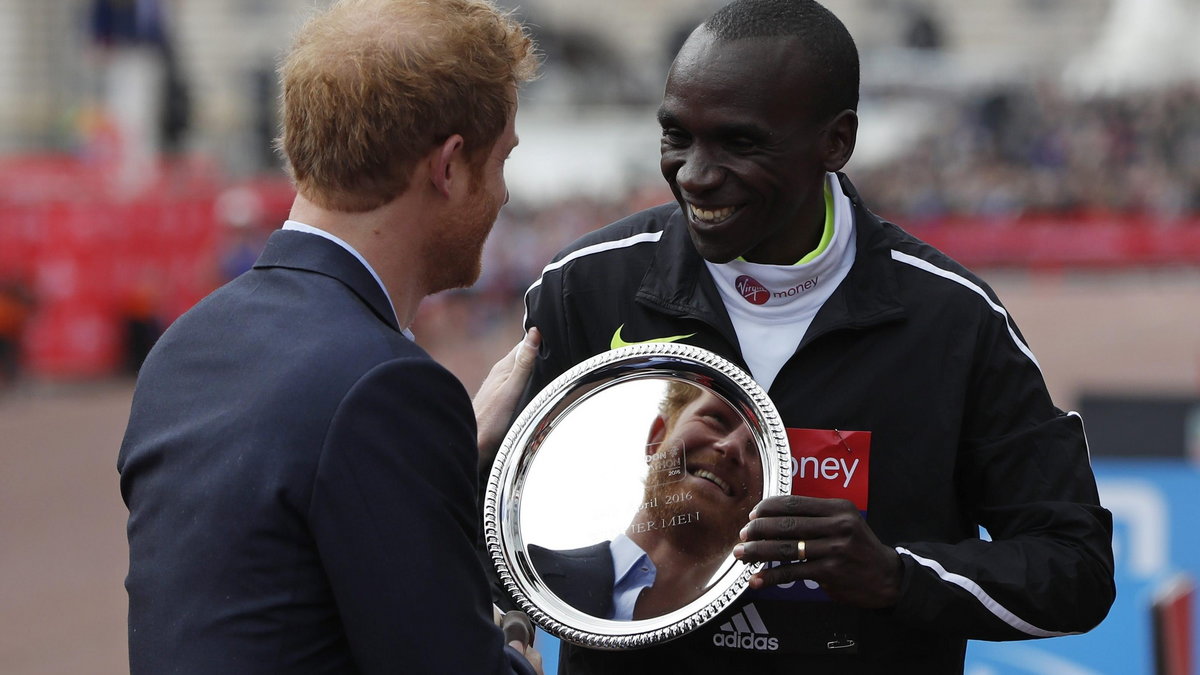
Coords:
pixel 772 306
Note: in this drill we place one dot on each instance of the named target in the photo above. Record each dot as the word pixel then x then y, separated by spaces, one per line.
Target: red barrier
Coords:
pixel 88 261
pixel 93 263
pixel 1072 241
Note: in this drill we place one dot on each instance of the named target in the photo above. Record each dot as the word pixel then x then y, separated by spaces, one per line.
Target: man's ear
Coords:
pixel 839 140
pixel 445 164
pixel 658 431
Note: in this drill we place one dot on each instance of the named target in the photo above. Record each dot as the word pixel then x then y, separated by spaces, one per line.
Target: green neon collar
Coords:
pixel 826 236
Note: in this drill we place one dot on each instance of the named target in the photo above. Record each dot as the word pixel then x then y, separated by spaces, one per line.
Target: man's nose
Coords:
pixel 699 173
pixel 738 445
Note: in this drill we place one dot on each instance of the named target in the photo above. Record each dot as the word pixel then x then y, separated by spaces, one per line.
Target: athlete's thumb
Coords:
pixel 527 350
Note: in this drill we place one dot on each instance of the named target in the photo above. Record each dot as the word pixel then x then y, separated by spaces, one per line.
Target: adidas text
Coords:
pixel 746 641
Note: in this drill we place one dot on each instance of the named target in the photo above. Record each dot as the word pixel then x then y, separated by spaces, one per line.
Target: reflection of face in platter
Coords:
pixel 704 475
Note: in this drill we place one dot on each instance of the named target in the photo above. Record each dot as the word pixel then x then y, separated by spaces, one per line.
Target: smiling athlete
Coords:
pixel 916 412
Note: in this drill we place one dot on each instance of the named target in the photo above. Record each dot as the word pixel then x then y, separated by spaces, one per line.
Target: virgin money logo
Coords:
pixel 754 292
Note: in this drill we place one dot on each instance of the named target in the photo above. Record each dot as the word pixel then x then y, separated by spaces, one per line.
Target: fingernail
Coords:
pixel 743 535
pixel 739 550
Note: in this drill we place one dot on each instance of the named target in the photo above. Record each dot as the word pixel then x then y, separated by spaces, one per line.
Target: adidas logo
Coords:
pixel 746 630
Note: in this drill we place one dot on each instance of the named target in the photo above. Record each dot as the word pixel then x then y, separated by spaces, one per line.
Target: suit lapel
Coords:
pixel 309 252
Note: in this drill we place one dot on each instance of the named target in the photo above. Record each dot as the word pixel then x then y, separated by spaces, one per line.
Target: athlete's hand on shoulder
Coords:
pixel 497 396
pixel 841 553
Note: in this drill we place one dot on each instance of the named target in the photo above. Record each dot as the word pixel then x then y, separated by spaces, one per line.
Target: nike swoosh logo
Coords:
pixel 617 341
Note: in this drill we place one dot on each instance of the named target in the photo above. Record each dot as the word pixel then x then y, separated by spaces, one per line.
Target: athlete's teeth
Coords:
pixel 713 216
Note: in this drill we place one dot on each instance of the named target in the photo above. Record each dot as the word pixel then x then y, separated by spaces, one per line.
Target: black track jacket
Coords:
pixel 919 352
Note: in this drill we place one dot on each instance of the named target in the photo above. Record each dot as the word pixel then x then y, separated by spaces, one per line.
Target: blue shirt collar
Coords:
pixel 632 570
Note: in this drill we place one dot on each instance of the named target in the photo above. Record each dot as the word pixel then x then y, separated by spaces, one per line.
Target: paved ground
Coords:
pixel 62 544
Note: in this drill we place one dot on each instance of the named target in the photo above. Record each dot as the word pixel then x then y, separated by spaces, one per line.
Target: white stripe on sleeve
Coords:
pixel 945 274
pixel 986 600
pixel 586 251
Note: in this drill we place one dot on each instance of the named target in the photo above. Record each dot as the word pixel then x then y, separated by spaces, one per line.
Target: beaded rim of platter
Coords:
pixel 502 536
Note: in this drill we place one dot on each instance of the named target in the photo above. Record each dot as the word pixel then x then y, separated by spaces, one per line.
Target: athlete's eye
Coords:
pixel 740 144
pixel 675 137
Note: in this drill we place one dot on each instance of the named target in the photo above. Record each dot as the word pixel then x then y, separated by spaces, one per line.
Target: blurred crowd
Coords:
pixel 1032 150
pixel 524 240
pixel 994 158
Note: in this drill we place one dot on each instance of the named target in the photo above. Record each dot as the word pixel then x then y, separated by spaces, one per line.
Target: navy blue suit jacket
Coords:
pixel 582 577
pixel 301 483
